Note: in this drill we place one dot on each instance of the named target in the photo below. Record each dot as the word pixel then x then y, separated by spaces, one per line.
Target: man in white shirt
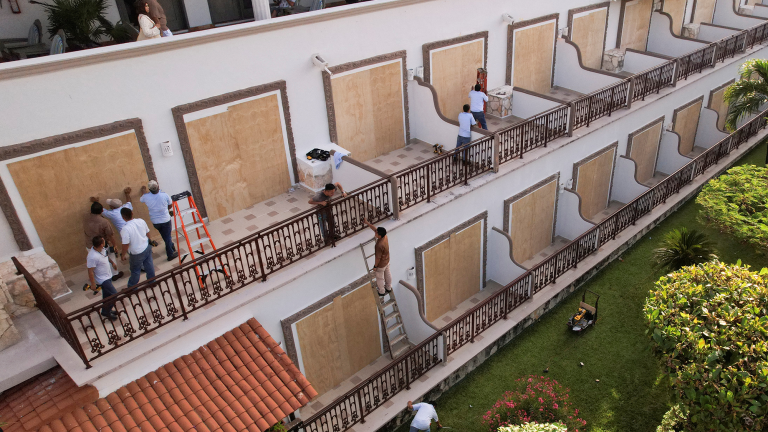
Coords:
pixel 136 248
pixel 100 273
pixel 159 203
pixel 477 101
pixel 425 413
pixel 466 121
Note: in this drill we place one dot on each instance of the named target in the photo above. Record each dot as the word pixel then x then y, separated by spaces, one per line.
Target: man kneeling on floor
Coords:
pixel 100 273
pixel 425 412
pixel 135 238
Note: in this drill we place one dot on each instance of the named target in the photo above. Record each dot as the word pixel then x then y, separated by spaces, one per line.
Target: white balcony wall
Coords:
pixel 712 33
pixel 426 124
pixel 635 62
pixel 662 41
pixel 570 223
pixel 569 74
pixel 707 133
pixel 526 105
pixel 625 187
pixel 669 158
pixel 725 15
pixel 760 10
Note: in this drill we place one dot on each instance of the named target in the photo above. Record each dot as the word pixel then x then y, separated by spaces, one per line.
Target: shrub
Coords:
pixel 736 203
pixel 535 427
pixel 536 400
pixel 709 326
pixel 83 21
pixel 672 419
pixel 682 248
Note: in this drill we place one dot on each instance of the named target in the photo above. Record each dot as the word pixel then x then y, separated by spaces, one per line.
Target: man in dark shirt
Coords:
pixel 322 200
pixel 381 265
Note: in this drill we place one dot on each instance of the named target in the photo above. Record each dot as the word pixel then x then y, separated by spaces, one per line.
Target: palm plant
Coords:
pixel 746 96
pixel 83 21
pixel 682 248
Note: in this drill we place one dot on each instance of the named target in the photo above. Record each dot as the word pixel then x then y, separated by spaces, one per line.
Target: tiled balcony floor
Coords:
pixel 412 154
pixel 564 94
pixel 544 254
pixel 613 206
pixel 656 179
pixel 496 123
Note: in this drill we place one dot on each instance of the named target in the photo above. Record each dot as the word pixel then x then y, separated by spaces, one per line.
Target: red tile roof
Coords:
pixel 241 381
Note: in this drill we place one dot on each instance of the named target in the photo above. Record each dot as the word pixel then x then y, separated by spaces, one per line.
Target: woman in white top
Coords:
pixel 149 29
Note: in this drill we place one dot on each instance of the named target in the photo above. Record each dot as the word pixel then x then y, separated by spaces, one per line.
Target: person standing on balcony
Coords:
pixel 381 265
pixel 425 413
pixel 322 200
pixel 95 225
pixel 477 100
pixel 159 205
pixel 466 121
pixel 136 248
pixel 157 12
pixel 148 28
pixel 100 268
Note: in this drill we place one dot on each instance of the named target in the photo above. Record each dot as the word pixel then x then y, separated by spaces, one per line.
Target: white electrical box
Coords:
pixel 166 147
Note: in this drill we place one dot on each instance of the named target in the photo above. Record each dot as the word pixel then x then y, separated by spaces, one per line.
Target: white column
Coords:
pixel 261 10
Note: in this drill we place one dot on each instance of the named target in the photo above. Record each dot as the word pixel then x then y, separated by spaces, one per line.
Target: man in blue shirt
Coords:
pixel 159 203
pixel 466 121
pixel 477 101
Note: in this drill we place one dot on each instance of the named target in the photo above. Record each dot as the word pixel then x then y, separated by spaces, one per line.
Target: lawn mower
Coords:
pixel 586 315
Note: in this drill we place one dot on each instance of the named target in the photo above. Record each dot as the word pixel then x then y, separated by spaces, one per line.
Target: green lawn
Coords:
pixel 632 395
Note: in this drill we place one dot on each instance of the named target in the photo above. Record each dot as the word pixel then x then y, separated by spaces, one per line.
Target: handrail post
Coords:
pixel 675 72
pixel 571 118
pixel 714 54
pixel 393 184
pixel 178 295
pixel 407 373
pixel 360 404
pixel 429 183
pixel 261 262
pixel 472 328
pixel 496 148
pixel 631 92
pixel 589 110
pixel 445 347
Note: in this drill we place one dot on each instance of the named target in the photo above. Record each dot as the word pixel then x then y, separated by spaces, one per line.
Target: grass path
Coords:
pixel 632 395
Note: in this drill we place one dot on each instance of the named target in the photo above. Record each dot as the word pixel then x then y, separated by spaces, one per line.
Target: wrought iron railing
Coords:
pixel 728 47
pixel 454 168
pixel 653 80
pixel 696 61
pixel 535 132
pixel 600 103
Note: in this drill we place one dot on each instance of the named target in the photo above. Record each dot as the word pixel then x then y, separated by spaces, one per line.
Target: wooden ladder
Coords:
pixel 389 312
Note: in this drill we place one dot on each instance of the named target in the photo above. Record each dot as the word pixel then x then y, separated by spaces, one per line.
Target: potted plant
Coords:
pixel 83 22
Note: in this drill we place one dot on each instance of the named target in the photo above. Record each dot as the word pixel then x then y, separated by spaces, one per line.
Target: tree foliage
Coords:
pixel 535 427
pixel 746 96
pixel 709 326
pixel 83 21
pixel 682 247
pixel 736 203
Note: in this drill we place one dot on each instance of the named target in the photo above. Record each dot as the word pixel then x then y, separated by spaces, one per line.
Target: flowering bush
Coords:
pixel 535 427
pixel 537 400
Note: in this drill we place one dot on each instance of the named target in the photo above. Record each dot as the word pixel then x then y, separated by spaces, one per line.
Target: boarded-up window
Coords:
pixel 636 23
pixel 644 149
pixel 531 221
pixel 369 110
pixel 593 182
pixel 56 188
pixel 452 271
pixel 704 11
pixel 340 339
pixel 588 32
pixel 676 9
pixel 240 155
pixel 533 52
pixel 718 104
pixel 454 72
pixel 686 122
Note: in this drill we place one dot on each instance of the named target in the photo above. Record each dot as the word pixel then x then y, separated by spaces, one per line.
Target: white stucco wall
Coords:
pixel 526 105
pixel 670 159
pixel 707 133
pixel 637 62
pixel 625 187
pixel 725 16
pixel 570 75
pixel 662 41
pixel 711 33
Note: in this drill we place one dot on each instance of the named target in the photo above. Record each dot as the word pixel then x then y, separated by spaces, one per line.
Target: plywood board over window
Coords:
pixel 643 148
pixel 453 269
pixel 717 103
pixel 676 9
pixel 588 31
pixel 453 71
pixel 366 105
pixel 635 22
pixel 340 339
pixel 686 122
pixel 56 188
pixel 240 155
pixel 531 54
pixel 593 176
pixel 703 11
pixel 530 219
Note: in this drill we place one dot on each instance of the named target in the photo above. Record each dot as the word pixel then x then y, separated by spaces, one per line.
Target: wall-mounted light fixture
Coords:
pixel 509 19
pixel 320 62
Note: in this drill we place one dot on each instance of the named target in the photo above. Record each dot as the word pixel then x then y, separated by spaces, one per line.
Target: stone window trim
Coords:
pixel 39 145
pixel 511 200
pixel 427 48
pixel 511 42
pixel 345 67
pixel 287 323
pixel 573 12
pixel 621 23
pixel 227 98
pixel 577 165
pixel 445 236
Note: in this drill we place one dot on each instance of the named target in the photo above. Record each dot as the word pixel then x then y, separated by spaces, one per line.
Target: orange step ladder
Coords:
pixel 190 228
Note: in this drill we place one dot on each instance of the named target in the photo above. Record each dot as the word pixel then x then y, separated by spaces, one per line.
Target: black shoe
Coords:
pixel 174 256
pixel 381 295
pixel 117 276
pixel 388 289
pixel 110 317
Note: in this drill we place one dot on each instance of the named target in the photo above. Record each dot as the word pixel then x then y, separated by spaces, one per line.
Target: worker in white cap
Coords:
pixel 113 211
pixel 159 204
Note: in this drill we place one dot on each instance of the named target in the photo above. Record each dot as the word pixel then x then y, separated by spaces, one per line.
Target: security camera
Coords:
pixel 320 62
pixel 509 19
